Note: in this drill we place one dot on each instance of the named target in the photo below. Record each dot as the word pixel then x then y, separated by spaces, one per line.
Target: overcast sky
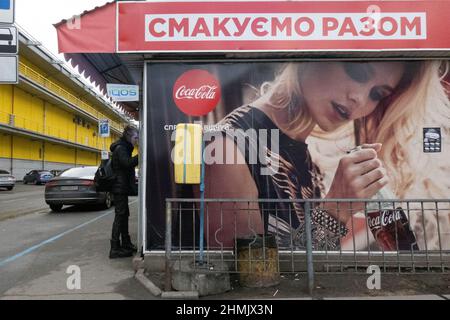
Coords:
pixel 38 16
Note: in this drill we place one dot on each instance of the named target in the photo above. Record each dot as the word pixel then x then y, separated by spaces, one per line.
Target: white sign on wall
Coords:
pixel 105 155
pixel 8 70
pixel 7 11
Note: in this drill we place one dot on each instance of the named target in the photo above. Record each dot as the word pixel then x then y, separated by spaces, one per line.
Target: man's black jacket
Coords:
pixel 124 167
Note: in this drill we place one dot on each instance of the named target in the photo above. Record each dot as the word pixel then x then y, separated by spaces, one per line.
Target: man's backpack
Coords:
pixel 105 177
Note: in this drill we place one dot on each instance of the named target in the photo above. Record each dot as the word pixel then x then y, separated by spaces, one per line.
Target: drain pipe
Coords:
pixel 202 205
pixel 168 278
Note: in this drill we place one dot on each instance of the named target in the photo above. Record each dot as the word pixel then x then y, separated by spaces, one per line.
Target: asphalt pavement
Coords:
pixel 42 251
pixel 22 200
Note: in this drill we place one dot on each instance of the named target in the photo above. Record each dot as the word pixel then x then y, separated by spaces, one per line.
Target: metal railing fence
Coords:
pixel 413 236
pixel 64 94
pixel 51 131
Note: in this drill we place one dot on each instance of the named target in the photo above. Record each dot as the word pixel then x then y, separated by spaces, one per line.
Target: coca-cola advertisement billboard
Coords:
pixel 294 131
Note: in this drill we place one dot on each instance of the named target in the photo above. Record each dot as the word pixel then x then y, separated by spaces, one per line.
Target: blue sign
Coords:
pixel 7 11
pixel 5 4
pixel 103 128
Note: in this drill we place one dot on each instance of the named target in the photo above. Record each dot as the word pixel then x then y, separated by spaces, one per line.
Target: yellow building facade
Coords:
pixel 50 119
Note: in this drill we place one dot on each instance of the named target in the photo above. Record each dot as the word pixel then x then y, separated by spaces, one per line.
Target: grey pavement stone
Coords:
pixel 138 263
pixel 192 295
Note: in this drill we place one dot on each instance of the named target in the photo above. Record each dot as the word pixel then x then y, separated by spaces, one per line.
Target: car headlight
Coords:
pixel 11 179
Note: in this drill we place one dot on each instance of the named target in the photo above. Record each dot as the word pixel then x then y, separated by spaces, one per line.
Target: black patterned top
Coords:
pixel 282 169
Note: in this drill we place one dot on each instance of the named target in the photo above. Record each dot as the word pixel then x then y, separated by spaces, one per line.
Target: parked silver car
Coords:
pixel 7 180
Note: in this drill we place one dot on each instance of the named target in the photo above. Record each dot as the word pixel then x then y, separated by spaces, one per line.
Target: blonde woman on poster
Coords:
pixel 398 123
pixel 391 97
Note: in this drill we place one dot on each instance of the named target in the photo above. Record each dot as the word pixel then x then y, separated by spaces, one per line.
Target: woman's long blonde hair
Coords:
pixel 420 100
pixel 285 93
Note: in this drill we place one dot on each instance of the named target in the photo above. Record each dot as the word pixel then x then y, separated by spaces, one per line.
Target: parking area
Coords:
pixel 40 250
pixel 22 200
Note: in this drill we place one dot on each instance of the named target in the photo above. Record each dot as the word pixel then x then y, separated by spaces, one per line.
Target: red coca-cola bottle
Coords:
pixel 390 226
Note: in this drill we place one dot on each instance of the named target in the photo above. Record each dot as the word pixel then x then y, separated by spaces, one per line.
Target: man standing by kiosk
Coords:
pixel 125 185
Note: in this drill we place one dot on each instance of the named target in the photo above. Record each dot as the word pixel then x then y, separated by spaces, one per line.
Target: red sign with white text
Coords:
pixel 283 26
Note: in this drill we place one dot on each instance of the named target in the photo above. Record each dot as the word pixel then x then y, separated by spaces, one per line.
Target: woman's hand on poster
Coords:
pixel 360 175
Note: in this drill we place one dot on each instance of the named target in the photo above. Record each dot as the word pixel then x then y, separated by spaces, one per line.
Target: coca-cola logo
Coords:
pixel 204 92
pixel 384 218
pixel 196 92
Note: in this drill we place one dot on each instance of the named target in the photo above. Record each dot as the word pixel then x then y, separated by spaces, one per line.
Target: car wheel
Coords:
pixel 25 181
pixel 108 201
pixel 56 207
pixel 36 182
pixel 10 188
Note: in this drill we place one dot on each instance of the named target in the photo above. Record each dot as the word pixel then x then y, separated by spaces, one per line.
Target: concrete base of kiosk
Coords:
pixel 203 280
pixel 206 279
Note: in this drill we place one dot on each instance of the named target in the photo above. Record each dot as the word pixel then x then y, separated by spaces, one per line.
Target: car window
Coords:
pixel 4 172
pixel 44 172
pixel 79 172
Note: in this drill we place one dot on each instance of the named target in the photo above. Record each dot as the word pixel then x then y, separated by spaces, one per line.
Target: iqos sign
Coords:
pixel 122 92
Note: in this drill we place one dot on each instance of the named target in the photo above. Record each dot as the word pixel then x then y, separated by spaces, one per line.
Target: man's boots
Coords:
pixel 117 251
pixel 127 245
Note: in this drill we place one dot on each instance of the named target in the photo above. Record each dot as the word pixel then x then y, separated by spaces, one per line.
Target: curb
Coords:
pixel 157 292
pixel 191 295
pixel 149 285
